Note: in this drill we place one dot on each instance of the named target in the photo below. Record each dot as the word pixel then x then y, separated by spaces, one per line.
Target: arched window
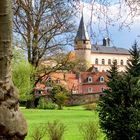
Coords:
pixel 90 79
pixel 103 61
pixel 102 79
pixel 121 62
pixel 96 61
pixel 109 61
pixel 115 61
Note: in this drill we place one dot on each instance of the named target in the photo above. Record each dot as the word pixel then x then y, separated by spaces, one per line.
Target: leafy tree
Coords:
pixel 61 98
pixel 59 95
pixel 44 25
pixel 119 109
pixel 12 123
pixel 22 72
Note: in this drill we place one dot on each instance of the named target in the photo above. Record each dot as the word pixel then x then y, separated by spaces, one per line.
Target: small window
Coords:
pixel 89 79
pixel 84 41
pixel 115 61
pixel 58 81
pixel 90 90
pixel 103 61
pixel 96 61
pixel 96 69
pixel 127 62
pixel 109 61
pixel 121 62
pixel 101 79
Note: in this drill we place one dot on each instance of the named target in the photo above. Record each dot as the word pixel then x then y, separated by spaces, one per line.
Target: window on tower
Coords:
pixel 84 41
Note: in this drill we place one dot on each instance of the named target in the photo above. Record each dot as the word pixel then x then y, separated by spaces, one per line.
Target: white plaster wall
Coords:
pixel 105 67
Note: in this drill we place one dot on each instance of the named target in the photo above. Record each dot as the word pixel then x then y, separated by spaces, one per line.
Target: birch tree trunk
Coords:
pixel 12 123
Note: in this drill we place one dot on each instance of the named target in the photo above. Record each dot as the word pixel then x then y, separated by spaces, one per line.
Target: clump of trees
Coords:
pixel 119 109
pixel 59 95
pixel 22 72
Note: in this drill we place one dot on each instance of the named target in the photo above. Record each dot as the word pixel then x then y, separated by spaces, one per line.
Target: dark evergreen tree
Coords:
pixel 119 109
pixel 133 66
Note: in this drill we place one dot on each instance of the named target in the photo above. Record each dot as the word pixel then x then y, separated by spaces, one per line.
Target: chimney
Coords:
pixel 106 42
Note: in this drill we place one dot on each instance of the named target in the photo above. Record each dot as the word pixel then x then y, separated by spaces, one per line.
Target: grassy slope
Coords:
pixel 72 117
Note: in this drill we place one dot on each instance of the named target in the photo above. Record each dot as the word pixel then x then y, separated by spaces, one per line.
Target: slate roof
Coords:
pixel 105 49
pixel 82 33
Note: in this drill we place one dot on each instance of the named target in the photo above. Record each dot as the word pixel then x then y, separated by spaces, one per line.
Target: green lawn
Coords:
pixel 72 117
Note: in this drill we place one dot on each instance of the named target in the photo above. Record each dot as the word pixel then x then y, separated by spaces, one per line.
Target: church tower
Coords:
pixel 82 43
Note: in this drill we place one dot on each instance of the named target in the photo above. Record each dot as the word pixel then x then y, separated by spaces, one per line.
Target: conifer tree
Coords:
pixel 119 109
pixel 133 66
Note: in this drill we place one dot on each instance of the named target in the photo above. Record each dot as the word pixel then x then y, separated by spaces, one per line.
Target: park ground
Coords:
pixel 72 117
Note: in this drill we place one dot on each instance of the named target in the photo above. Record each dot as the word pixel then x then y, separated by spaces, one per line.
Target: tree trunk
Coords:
pixel 12 123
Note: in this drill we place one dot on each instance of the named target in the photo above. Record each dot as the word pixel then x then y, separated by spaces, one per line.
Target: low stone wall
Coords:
pixel 79 99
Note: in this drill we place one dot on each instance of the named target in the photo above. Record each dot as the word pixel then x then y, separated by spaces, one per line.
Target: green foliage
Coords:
pixel 90 130
pixel 119 109
pixel 44 104
pixel 39 132
pixel 90 106
pixel 22 73
pixel 55 130
pixel 133 66
pixel 60 99
pixel 59 95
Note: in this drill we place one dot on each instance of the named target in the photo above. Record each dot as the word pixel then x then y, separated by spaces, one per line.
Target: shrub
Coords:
pixel 90 130
pixel 43 104
pixel 60 99
pixel 90 106
pixel 39 132
pixel 55 130
pixel 51 105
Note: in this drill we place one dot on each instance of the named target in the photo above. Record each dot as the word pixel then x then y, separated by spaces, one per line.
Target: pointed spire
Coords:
pixel 82 33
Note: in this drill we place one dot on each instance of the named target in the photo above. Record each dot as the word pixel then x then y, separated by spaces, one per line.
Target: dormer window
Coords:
pixel 90 79
pixel 102 79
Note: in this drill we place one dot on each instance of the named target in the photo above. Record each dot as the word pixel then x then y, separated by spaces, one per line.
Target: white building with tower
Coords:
pixel 101 56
